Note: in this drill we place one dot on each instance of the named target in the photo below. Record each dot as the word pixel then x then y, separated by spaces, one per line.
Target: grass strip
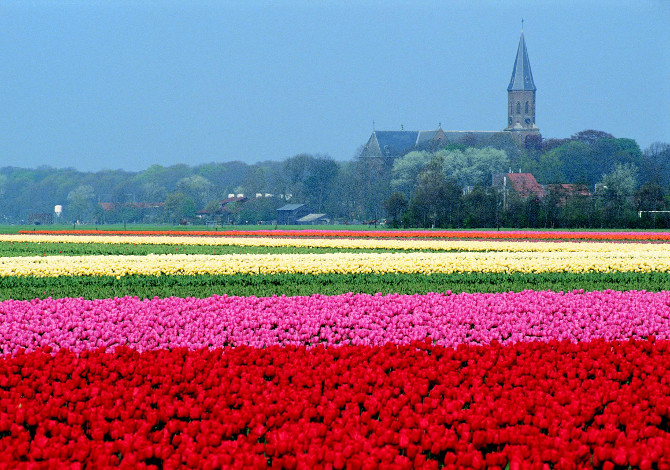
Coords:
pixel 9 249
pixel 92 287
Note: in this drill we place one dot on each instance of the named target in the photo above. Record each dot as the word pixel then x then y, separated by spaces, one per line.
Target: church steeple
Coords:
pixel 522 77
pixel 521 95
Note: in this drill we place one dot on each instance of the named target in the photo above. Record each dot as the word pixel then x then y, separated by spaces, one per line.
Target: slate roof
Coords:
pixel 398 143
pixel 310 217
pixel 470 137
pixel 290 207
pixel 228 200
pixel 522 77
pixel 425 137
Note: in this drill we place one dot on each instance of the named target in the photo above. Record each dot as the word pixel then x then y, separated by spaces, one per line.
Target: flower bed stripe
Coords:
pixel 266 285
pixel 483 234
pixel 343 243
pixel 591 405
pixel 416 262
pixel 357 319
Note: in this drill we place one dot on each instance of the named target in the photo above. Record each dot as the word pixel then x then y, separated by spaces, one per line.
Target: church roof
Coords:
pixel 522 77
pixel 389 143
pixel 425 136
pixel 396 142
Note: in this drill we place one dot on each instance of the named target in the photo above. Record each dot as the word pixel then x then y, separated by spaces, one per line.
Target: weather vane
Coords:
pixel 522 25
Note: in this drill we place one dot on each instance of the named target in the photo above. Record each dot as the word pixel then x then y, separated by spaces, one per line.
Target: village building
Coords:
pixel 313 219
pixel 523 184
pixel 520 121
pixel 564 192
pixel 290 213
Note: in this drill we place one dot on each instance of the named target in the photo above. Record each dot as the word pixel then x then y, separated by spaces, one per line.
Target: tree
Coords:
pixel 591 136
pixel 262 209
pixel 618 191
pixel 571 162
pixel 81 202
pixel 347 201
pixel 549 169
pixel 310 178
pixel 479 207
pixel 254 182
pixel 655 165
pixel 468 167
pixel 650 197
pixel 197 188
pixel 395 206
pixel 474 166
pixel 436 199
pixel 178 206
pixel 373 176
pixel 318 184
pixel 406 170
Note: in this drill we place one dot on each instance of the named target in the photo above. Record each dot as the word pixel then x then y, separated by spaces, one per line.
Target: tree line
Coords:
pixel 447 186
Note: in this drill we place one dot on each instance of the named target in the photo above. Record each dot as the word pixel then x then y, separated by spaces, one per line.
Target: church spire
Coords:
pixel 521 96
pixel 522 77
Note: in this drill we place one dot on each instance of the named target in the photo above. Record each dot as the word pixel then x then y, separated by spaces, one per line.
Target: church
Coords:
pixel 520 121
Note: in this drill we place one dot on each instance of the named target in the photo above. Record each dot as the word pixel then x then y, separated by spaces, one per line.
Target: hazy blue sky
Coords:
pixel 127 84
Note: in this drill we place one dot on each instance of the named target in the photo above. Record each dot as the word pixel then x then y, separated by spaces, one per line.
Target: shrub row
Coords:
pixel 206 285
pixel 139 249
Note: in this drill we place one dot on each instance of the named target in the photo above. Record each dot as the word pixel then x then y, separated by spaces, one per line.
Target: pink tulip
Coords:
pixel 361 319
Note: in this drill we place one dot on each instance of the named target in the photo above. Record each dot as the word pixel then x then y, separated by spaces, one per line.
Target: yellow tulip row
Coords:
pixel 415 262
pixel 350 243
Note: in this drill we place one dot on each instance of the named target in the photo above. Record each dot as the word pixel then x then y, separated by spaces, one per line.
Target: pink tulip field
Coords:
pixel 351 319
pixel 442 377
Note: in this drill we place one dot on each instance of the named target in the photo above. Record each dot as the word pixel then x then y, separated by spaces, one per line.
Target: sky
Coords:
pixel 128 84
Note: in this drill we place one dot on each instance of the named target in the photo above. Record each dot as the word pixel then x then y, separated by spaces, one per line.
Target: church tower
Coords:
pixel 521 96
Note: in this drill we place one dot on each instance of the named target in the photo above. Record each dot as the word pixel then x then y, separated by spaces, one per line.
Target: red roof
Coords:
pixel 107 206
pixel 525 185
pixel 565 191
pixel 570 189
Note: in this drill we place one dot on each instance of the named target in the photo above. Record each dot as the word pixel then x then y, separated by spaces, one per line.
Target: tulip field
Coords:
pixel 335 349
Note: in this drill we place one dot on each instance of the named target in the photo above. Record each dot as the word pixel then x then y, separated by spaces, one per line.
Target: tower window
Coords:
pixel 518 107
pixel 526 107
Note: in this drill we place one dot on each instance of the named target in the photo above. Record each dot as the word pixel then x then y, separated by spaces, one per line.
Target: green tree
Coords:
pixel 318 185
pixel 479 207
pixel 395 206
pixel 197 188
pixel 655 167
pixel 81 203
pixel 618 191
pixel 178 206
pixel 436 199
pixel 406 170
pixel 473 166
